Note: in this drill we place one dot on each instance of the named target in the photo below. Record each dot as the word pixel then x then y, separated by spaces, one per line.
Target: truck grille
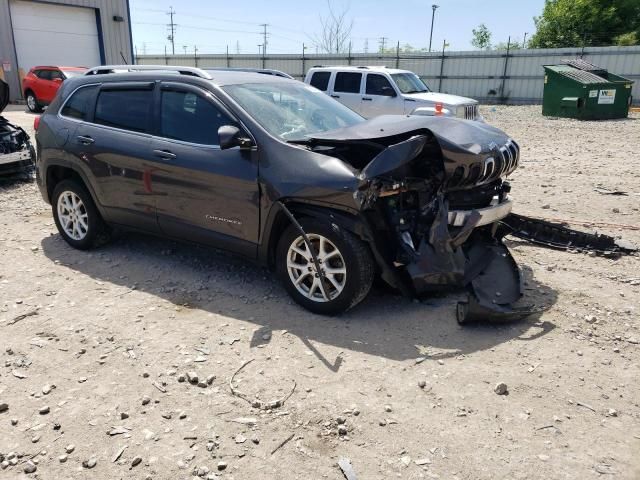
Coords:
pixel 471 112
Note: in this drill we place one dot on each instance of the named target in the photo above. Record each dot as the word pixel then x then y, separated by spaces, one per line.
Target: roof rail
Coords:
pixel 105 69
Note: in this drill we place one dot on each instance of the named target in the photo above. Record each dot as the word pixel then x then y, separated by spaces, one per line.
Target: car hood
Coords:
pixel 435 97
pixel 463 143
pixel 4 94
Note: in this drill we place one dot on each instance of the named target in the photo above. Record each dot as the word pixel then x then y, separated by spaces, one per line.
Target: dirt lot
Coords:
pixel 108 334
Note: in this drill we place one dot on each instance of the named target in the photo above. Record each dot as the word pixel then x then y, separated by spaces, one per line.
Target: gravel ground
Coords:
pixel 94 347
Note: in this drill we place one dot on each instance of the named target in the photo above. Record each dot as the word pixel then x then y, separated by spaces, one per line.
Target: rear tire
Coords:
pixel 346 260
pixel 32 102
pixel 77 217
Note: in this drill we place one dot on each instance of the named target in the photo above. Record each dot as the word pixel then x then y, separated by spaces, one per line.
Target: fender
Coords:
pixel 73 167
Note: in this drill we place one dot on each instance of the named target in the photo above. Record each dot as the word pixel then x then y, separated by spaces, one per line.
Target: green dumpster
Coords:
pixel 578 89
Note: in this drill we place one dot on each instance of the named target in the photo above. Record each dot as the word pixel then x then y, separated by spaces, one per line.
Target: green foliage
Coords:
pixel 481 37
pixel 513 45
pixel 573 23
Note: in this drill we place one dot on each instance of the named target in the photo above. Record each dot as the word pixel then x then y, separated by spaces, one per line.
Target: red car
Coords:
pixel 41 84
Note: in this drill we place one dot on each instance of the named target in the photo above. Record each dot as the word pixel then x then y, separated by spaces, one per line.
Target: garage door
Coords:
pixel 47 34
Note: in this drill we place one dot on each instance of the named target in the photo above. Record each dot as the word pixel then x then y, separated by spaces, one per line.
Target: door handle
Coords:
pixel 335 96
pixel 367 99
pixel 85 139
pixel 166 154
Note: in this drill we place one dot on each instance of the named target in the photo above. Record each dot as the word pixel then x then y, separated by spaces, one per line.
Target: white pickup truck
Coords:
pixel 373 91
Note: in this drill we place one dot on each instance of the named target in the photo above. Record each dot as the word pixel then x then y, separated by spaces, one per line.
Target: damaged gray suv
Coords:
pixel 274 170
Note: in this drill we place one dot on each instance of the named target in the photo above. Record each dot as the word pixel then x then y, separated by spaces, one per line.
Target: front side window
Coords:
pixel 347 82
pixel 320 80
pixel 126 109
pixel 56 74
pixel 378 85
pixel 80 103
pixel 191 118
pixel 44 74
pixel 291 110
pixel 409 83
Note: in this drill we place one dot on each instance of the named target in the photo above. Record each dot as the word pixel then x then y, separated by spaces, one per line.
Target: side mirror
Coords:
pixel 231 136
pixel 388 92
pixel 57 80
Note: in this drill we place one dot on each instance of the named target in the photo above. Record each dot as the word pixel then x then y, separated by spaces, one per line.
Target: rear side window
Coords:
pixel 44 74
pixel 320 80
pixel 80 103
pixel 191 118
pixel 377 84
pixel 126 109
pixel 56 74
pixel 347 82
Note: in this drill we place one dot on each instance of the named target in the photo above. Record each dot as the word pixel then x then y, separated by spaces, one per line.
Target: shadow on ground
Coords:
pixel 384 325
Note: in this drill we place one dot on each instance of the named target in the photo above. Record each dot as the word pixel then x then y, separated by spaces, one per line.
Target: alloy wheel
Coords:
pixel 302 270
pixel 73 216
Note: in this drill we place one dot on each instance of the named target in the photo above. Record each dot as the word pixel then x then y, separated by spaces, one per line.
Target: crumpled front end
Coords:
pixel 434 195
pixel 16 152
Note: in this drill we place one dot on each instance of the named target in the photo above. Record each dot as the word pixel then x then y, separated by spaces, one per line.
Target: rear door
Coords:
pixel 203 193
pixel 347 89
pixel 115 144
pixel 380 98
pixel 42 86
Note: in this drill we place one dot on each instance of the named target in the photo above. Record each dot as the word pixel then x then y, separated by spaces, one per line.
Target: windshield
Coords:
pixel 293 110
pixel 73 73
pixel 409 83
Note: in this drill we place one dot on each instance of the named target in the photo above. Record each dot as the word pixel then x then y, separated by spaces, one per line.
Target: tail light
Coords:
pixel 36 122
pixel 439 107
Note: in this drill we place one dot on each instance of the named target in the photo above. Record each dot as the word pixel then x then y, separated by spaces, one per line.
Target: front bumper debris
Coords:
pixel 475 258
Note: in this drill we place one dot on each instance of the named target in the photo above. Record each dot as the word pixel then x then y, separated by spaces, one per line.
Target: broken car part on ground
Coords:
pixel 16 152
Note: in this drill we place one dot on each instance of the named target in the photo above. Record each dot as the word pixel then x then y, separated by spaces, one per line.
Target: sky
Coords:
pixel 211 25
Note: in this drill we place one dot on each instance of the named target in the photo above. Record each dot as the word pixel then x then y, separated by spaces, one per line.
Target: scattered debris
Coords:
pixel 4 407
pixel 136 461
pixel 580 404
pixel 282 443
pixel 255 403
pixel 159 387
pixel 16 319
pixel 347 469
pixel 119 453
pixel 501 388
pixel 90 463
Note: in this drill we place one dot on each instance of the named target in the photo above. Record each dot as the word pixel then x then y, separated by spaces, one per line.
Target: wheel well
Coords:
pixel 56 173
pixel 300 211
pixel 27 91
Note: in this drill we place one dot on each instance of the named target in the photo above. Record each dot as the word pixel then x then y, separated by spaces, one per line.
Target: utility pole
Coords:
pixel 195 55
pixel 524 42
pixel 382 42
pixel 172 26
pixel 264 38
pixel 366 45
pixel 260 49
pixel 433 16
pixel 238 47
pixel 184 47
pixel 144 48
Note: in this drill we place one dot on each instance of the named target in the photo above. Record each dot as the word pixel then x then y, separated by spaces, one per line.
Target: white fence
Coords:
pixel 489 76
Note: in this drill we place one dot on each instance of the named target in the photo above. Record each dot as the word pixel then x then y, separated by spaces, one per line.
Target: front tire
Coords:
pixel 32 103
pixel 77 217
pixel 345 259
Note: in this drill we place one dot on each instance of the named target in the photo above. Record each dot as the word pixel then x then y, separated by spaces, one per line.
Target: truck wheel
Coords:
pixel 32 102
pixel 77 217
pixel 345 260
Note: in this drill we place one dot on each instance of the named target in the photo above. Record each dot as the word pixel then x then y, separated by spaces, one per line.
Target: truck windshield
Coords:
pixel 290 111
pixel 409 83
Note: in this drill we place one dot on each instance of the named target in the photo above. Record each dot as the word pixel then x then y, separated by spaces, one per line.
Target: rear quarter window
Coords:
pixel 125 109
pixel 320 80
pixel 80 103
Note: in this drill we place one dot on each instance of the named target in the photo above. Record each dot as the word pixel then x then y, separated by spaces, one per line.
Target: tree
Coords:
pixel 513 45
pixel 406 48
pixel 336 30
pixel 481 37
pixel 573 23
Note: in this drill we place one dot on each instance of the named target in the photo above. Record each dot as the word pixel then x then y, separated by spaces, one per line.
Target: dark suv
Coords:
pixel 274 170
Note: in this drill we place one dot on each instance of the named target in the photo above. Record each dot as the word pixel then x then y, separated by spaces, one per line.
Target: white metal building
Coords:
pixel 61 32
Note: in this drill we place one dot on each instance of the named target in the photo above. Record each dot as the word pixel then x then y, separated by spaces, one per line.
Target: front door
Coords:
pixel 203 193
pixel 380 98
